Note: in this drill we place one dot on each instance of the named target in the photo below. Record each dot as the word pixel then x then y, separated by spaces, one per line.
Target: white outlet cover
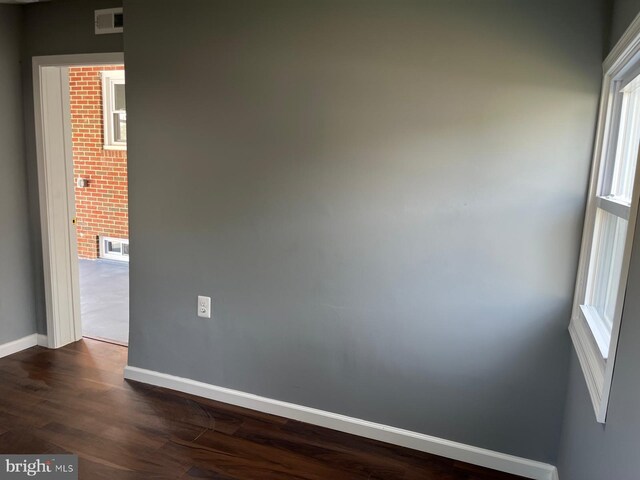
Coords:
pixel 204 306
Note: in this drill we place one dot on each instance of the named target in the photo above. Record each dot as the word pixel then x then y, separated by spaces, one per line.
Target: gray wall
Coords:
pixel 17 318
pixel 58 27
pixel 588 450
pixel 623 12
pixel 383 198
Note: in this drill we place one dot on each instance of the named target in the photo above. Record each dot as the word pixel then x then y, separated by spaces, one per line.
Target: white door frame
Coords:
pixel 56 191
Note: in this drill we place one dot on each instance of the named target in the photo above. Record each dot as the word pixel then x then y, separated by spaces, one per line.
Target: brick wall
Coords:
pixel 101 207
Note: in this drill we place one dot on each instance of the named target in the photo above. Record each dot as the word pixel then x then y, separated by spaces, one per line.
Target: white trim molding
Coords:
pixel 363 428
pixel 18 345
pixel 43 341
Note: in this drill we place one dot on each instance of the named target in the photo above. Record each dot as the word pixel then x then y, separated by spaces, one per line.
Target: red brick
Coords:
pixel 101 208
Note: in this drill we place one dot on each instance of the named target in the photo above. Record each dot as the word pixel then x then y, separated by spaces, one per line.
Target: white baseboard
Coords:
pixel 363 428
pixel 43 340
pixel 18 345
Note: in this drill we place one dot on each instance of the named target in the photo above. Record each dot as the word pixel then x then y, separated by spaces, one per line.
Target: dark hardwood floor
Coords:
pixel 74 400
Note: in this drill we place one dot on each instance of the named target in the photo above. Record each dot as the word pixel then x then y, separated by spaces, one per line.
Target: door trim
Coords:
pixel 56 192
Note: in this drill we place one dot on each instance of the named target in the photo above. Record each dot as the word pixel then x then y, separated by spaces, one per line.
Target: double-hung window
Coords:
pixel 114 108
pixel 609 221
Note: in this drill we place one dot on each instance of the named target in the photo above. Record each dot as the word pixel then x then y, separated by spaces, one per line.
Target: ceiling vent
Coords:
pixel 109 20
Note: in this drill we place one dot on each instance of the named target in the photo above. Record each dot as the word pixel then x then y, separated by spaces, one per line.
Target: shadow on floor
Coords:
pixel 104 299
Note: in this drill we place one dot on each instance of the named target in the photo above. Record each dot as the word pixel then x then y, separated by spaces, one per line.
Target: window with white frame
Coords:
pixel 114 108
pixel 114 248
pixel 610 219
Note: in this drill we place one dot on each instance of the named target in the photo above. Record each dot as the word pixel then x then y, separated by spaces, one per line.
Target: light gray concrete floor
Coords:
pixel 104 299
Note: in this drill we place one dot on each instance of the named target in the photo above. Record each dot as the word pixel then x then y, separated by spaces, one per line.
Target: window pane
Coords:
pixel 113 247
pixel 606 264
pixel 119 101
pixel 125 249
pixel 628 141
pixel 119 127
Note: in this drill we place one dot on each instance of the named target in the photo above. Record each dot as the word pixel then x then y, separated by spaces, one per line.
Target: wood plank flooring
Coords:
pixel 74 400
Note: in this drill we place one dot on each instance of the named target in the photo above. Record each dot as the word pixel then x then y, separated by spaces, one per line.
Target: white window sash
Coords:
pixel 111 78
pixel 614 206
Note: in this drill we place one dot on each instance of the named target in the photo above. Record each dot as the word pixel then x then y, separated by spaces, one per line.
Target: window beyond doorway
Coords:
pixel 114 109
pixel 114 248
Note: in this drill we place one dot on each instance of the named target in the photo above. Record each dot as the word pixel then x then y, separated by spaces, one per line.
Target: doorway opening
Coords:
pixel 80 122
pixel 99 147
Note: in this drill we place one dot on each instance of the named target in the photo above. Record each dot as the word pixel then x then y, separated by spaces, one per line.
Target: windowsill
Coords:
pixel 592 363
pixel 115 258
pixel 114 147
pixel 601 334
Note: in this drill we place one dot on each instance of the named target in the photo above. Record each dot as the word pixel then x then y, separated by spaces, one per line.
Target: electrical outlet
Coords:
pixel 204 307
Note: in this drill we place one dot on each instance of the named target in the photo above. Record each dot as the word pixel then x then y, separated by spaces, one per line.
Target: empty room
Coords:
pixel 372 239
